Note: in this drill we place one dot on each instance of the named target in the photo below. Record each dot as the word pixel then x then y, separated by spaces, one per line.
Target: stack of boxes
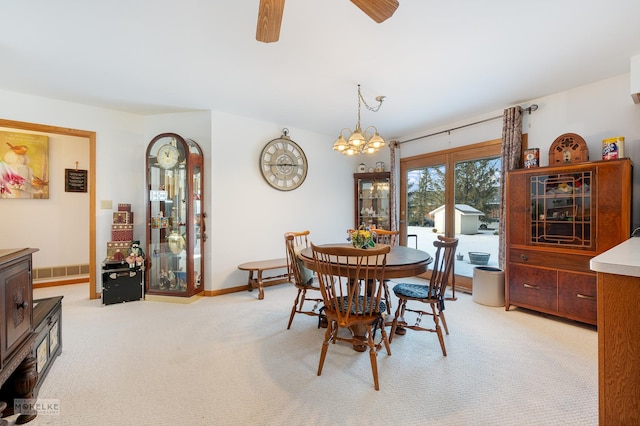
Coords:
pixel 121 233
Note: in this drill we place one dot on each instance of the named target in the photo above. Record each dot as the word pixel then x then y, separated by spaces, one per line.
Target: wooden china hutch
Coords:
pixel 372 199
pixel 559 218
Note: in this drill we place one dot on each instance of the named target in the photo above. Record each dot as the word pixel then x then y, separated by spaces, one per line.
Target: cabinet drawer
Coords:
pixel 533 286
pixel 577 296
pixel 573 262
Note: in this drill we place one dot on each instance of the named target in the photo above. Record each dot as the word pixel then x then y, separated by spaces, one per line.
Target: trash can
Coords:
pixel 488 286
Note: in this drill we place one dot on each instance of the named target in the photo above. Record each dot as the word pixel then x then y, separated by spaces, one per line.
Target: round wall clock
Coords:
pixel 168 156
pixel 568 148
pixel 283 163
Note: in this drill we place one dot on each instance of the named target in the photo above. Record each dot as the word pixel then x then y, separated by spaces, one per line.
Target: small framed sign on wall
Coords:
pixel 75 180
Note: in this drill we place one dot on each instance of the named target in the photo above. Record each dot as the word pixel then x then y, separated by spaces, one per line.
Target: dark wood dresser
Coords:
pixel 18 373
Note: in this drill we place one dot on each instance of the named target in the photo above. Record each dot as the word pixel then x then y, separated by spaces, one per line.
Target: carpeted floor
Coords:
pixel 229 360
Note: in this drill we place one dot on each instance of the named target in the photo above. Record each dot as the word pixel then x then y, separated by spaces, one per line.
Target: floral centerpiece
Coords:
pixel 362 237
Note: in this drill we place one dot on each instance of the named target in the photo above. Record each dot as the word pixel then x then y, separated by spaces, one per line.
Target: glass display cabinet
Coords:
pixel 372 202
pixel 175 220
pixel 559 218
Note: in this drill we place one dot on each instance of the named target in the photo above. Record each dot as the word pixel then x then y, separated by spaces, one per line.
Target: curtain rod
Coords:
pixel 533 107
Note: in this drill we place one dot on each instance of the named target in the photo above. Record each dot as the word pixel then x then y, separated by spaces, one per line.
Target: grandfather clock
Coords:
pixel 175 220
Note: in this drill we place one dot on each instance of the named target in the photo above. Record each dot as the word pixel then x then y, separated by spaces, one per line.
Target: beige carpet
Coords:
pixel 229 360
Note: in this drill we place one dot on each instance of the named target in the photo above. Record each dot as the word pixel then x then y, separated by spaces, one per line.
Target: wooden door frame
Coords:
pixel 91 136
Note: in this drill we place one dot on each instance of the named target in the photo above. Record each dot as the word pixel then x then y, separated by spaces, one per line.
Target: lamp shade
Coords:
pixel 356 138
pixel 376 141
pixel 340 144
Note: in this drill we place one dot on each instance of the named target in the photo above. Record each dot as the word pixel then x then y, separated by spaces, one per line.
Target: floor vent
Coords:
pixel 56 273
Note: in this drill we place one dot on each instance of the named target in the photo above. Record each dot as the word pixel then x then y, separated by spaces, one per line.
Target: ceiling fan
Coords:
pixel 270 15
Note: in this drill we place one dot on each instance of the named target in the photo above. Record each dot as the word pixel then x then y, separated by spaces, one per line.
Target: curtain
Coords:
pixel 394 196
pixel 511 153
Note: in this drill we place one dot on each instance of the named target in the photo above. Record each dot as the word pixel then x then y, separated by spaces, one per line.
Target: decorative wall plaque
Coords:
pixel 75 180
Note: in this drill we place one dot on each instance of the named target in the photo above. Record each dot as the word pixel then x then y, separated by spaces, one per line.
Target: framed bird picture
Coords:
pixel 24 165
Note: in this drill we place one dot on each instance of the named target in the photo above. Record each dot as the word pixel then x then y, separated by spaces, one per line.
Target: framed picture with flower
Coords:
pixel 24 165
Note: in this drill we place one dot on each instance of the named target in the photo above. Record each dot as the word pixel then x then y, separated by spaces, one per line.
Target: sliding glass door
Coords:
pixel 453 193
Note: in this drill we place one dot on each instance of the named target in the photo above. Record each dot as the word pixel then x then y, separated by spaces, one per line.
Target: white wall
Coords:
pixel 248 218
pixel 595 111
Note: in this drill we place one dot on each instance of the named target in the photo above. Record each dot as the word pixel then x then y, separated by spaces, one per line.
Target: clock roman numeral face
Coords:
pixel 283 164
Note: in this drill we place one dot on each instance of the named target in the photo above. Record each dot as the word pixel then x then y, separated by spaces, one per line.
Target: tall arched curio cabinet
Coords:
pixel 175 220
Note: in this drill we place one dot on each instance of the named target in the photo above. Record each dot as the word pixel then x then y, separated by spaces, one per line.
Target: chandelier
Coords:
pixel 359 142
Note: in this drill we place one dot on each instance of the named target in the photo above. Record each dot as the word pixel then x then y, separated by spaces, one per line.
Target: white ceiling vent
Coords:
pixel 635 78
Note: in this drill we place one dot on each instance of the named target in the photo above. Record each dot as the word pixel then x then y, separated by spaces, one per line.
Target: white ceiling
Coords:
pixel 435 61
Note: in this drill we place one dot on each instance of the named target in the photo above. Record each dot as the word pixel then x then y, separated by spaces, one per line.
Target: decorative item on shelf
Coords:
pixel 531 158
pixel 176 242
pixel 159 221
pixel 359 142
pixel 613 148
pixel 363 237
pixel 568 148
pixel 380 166
pixel 361 168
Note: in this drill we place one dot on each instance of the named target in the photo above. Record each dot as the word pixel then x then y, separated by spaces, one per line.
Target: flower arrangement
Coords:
pixel 362 237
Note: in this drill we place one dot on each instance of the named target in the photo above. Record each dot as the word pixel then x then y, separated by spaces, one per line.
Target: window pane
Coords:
pixel 425 202
pixel 477 205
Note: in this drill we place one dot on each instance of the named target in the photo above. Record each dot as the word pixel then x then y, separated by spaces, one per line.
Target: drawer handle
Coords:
pixel 535 287
pixel 524 257
pixel 585 296
pixel 23 305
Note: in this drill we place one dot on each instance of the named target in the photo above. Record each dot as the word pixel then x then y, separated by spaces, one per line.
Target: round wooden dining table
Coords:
pixel 401 261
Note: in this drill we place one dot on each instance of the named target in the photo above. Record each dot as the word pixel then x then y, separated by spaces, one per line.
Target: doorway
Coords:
pixel 91 138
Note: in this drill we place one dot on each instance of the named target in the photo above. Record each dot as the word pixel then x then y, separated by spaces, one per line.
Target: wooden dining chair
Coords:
pixel 387 237
pixel 390 238
pixel 303 278
pixel 431 295
pixel 351 283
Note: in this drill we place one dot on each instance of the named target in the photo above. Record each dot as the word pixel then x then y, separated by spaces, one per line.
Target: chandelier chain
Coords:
pixel 370 108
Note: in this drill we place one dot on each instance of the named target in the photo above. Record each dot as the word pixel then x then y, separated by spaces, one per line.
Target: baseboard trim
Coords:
pixel 245 287
pixel 43 284
pixel 172 299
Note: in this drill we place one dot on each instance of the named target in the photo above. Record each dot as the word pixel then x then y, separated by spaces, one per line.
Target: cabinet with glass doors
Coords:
pixel 372 201
pixel 559 217
pixel 175 220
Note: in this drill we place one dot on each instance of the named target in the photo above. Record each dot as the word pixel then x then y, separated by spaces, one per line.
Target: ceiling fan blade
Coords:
pixel 269 20
pixel 378 10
